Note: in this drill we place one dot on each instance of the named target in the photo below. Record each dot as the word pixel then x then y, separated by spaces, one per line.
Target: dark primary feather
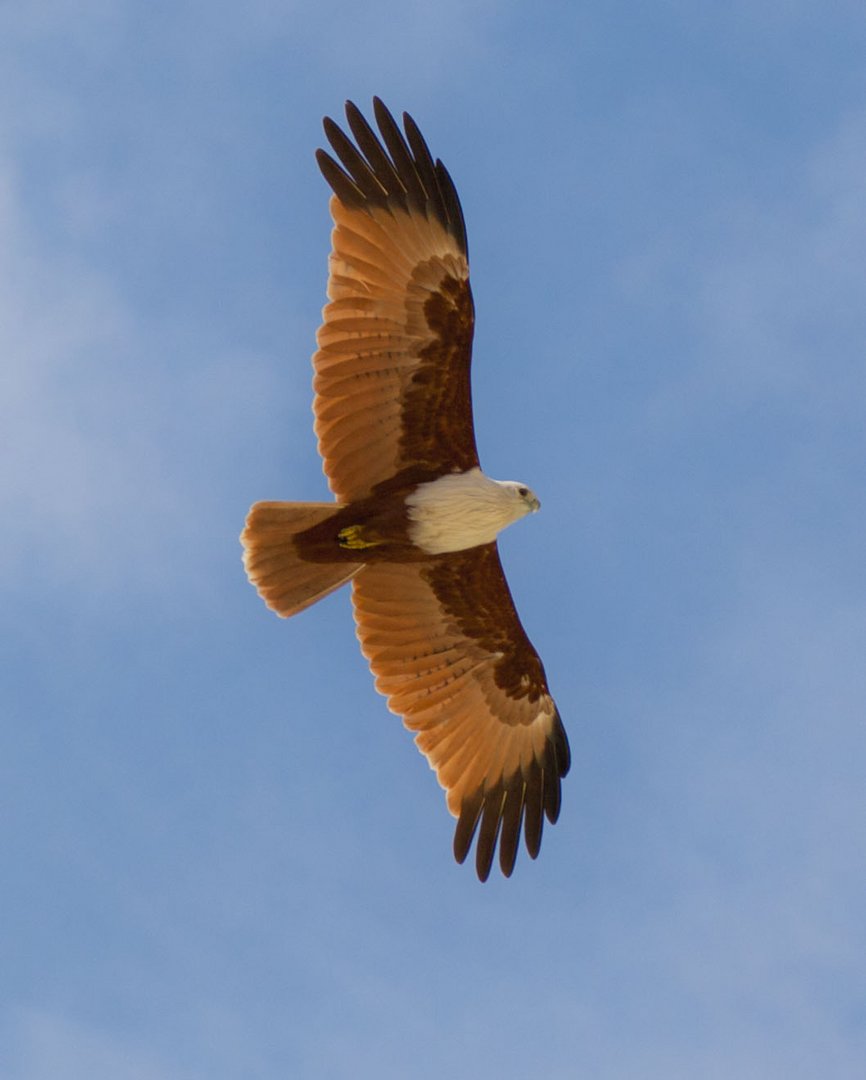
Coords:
pixel 400 154
pixel 491 818
pixel 343 186
pixel 466 825
pixel 371 148
pixel 426 169
pixel 512 812
pixel 457 222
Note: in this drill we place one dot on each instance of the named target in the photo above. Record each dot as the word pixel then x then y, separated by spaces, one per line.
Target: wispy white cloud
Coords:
pixel 56 319
pixel 107 450
pixel 41 1045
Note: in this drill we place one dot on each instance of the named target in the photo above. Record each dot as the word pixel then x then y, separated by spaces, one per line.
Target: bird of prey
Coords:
pixel 415 520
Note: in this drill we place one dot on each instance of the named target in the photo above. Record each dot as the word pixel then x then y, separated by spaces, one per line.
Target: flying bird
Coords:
pixel 415 521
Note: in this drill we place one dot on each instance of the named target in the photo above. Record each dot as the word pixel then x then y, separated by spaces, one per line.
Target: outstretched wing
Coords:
pixel 447 648
pixel 392 401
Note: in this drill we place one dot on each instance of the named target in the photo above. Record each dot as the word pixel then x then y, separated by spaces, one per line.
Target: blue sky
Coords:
pixel 222 856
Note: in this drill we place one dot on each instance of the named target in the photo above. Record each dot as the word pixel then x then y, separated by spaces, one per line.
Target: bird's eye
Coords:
pixel 523 492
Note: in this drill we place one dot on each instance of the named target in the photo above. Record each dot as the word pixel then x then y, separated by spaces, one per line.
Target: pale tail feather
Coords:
pixel 286 582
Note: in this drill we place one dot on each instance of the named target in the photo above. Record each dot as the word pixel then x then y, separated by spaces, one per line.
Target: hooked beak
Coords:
pixel 534 504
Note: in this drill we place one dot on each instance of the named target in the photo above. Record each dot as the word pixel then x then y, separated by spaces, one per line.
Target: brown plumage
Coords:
pixel 415 520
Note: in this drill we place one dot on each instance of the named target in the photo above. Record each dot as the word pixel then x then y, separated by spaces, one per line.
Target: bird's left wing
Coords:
pixel 393 402
pixel 447 648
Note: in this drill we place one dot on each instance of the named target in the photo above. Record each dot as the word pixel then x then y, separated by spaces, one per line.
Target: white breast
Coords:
pixel 461 510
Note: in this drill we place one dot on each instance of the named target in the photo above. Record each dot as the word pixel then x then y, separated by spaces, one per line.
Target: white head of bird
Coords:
pixel 463 510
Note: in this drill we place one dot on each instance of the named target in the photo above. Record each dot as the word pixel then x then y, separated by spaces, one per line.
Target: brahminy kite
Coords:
pixel 415 521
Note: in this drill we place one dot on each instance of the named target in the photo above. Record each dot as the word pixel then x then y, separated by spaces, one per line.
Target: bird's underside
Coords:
pixel 415 520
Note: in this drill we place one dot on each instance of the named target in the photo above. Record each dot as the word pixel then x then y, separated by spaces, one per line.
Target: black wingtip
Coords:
pixel 512 817
pixel 488 833
pixel 393 169
pixel 519 803
pixel 467 823
pixel 561 746
pixel 533 814
pixel 341 183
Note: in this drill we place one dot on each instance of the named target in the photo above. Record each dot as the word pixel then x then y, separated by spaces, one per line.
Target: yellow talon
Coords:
pixel 352 537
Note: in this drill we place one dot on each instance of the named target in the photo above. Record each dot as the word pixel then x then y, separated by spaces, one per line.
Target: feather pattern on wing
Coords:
pixel 447 649
pixel 392 367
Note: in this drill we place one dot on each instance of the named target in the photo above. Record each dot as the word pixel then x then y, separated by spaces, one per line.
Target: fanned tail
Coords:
pixel 285 581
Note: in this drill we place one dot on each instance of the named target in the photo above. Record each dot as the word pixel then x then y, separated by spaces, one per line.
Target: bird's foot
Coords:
pixel 352 537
